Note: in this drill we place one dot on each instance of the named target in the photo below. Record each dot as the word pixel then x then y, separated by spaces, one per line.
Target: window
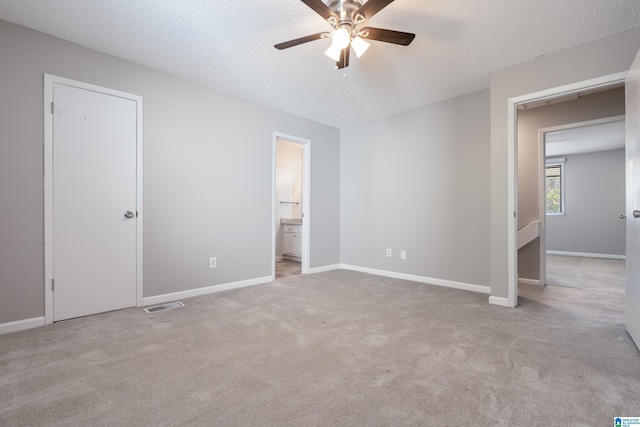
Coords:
pixel 554 186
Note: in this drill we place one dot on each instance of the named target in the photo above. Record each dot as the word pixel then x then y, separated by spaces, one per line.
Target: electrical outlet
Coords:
pixel 403 254
pixel 388 252
pixel 213 263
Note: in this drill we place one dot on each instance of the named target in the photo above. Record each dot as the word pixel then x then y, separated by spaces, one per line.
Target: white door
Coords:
pixel 632 309
pixel 94 186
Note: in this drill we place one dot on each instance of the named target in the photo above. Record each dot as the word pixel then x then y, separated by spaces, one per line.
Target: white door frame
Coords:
pixel 49 81
pixel 512 162
pixel 306 201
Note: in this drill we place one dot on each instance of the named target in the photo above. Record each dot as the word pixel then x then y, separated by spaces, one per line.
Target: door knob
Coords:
pixel 128 214
pixel 623 216
pixel 636 214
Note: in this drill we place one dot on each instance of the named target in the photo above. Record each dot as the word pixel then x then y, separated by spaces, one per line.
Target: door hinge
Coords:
pixel 52 108
pixel 53 285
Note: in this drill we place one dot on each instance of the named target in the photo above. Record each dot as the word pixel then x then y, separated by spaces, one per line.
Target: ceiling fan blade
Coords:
pixel 388 36
pixel 320 8
pixel 372 7
pixel 296 42
pixel 344 58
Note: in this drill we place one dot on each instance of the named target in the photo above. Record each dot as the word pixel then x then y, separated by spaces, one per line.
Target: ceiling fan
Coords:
pixel 346 16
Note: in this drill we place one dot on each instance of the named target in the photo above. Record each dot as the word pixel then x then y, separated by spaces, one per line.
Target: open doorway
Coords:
pixel 291 196
pixel 631 80
pixel 576 139
pixel 530 247
pixel 584 199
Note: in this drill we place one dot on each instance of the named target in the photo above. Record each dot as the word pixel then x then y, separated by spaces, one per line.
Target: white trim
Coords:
pixel 421 279
pixel 49 81
pixel 528 233
pixel 161 299
pixel 567 126
pixel 21 325
pixel 48 198
pixel 542 208
pixel 502 302
pixel 587 254
pixel 139 202
pixel 324 268
pixel 512 161
pixel 528 281
pixel 512 208
pixel 306 201
pixel 554 160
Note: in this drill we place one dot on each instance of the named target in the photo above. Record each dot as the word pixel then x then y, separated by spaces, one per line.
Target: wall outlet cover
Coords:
pixel 403 254
pixel 213 263
pixel 388 252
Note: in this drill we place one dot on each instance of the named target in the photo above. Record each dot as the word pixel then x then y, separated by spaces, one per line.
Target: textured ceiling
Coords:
pixel 228 45
pixel 585 139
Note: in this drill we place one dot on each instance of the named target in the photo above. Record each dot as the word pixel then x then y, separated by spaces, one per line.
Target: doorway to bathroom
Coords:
pixel 291 195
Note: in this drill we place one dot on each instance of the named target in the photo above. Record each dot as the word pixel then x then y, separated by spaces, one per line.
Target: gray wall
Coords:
pixel 595 198
pixel 598 105
pixel 603 57
pixel 198 140
pixel 207 173
pixel 419 181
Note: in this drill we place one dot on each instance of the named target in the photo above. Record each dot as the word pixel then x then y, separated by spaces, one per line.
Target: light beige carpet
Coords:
pixel 337 348
pixel 585 272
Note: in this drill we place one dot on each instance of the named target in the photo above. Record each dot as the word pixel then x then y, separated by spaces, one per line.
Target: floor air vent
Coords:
pixel 164 307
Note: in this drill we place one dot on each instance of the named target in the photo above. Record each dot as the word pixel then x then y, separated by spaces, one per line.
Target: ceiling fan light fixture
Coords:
pixel 333 52
pixel 359 46
pixel 345 18
pixel 340 38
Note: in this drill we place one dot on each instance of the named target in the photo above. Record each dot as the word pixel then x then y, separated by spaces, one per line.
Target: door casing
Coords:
pixel 49 81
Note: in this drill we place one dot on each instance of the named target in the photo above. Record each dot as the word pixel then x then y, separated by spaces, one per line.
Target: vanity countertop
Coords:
pixel 291 221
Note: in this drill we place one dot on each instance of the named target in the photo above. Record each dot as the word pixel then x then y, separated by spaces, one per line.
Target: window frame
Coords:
pixel 556 161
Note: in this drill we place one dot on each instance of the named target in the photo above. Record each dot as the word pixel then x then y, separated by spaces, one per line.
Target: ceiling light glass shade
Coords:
pixel 359 46
pixel 333 52
pixel 341 38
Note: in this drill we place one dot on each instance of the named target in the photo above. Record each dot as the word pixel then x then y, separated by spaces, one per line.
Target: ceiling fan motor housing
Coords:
pixel 346 11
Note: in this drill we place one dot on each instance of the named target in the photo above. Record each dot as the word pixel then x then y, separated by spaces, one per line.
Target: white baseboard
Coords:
pixel 420 279
pixel 528 281
pixel 587 254
pixel 502 302
pixel 161 299
pixel 324 268
pixel 21 325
